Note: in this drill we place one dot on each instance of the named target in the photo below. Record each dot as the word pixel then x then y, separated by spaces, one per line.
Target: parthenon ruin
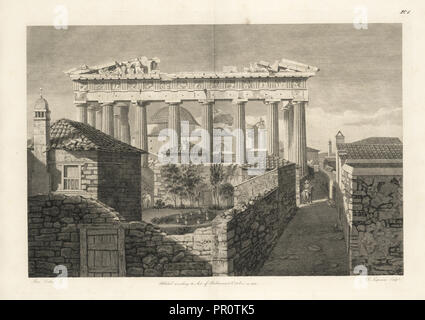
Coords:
pixel 137 82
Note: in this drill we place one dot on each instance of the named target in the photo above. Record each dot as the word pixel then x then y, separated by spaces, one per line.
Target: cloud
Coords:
pixel 355 125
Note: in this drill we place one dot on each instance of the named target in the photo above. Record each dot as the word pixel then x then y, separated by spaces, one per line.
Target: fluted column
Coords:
pixel 142 129
pixel 124 124
pixel 207 124
pixel 91 114
pixel 291 132
pixel 300 154
pixel 99 117
pixel 240 126
pixel 108 118
pixel 286 132
pixel 81 112
pixel 175 126
pixel 273 127
pixel 117 127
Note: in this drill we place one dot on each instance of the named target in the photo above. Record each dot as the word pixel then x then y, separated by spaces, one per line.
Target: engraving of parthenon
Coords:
pixel 281 85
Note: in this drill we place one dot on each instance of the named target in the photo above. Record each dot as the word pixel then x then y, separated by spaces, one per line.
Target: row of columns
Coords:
pixel 102 117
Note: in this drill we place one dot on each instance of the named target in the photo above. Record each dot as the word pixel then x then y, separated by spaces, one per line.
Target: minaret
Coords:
pixel 40 179
pixel 329 148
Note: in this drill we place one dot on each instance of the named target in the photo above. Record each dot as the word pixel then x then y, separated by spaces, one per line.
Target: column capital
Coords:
pixel 287 106
pixel 270 101
pixel 206 101
pixel 172 102
pixel 239 101
pixel 80 104
pixel 142 103
pixel 107 103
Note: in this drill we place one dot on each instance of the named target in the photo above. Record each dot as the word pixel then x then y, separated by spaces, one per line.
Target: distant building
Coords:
pixel 75 158
pixel 160 122
pixel 312 156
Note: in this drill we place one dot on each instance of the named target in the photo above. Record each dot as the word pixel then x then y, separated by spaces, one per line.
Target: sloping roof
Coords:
pixel 379 140
pixel 76 136
pixel 161 116
pixel 371 151
pixel 312 149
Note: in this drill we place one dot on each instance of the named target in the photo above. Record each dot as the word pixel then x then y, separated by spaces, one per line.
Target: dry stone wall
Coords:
pixel 246 234
pixel 373 222
pixel 150 252
pixel 53 234
pixel 237 243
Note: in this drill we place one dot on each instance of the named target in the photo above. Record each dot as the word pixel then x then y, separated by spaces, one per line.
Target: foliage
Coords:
pixel 159 204
pixel 216 178
pixel 191 181
pixel 172 181
pixel 226 190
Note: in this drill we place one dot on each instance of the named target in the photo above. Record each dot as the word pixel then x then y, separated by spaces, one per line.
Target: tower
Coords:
pixel 40 179
pixel 339 138
pixel 329 148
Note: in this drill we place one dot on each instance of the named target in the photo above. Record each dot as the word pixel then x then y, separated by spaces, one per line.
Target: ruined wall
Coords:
pixel 53 235
pixel 373 221
pixel 246 234
pixel 120 183
pixel 255 186
pixel 150 252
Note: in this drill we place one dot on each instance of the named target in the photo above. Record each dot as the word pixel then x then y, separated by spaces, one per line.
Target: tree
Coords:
pixel 216 178
pixel 226 190
pixel 172 177
pixel 191 180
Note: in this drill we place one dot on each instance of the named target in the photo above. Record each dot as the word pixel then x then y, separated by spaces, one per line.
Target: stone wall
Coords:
pixel 150 252
pixel 120 183
pixel 53 234
pixel 246 234
pixel 237 243
pixel 255 186
pixel 373 221
pixel 88 160
pixel 113 178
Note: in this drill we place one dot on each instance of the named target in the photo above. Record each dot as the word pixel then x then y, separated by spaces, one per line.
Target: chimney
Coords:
pixel 329 148
pixel 40 179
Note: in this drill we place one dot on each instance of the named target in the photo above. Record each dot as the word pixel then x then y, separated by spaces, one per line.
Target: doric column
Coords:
pixel 240 126
pixel 117 127
pixel 124 124
pixel 291 132
pixel 286 132
pixel 99 118
pixel 81 112
pixel 142 129
pixel 208 125
pixel 273 127
pixel 300 154
pixel 108 118
pixel 174 125
pixel 91 114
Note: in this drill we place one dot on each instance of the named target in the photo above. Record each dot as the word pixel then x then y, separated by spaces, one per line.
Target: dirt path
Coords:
pixel 311 244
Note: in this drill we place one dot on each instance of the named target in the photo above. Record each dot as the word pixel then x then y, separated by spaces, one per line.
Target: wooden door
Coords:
pixel 102 251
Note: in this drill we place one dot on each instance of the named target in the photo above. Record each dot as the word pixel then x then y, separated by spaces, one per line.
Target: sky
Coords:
pixel 358 89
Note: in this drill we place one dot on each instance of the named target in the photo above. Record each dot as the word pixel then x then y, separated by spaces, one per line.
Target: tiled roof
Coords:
pixel 372 151
pixel 76 136
pixel 379 140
